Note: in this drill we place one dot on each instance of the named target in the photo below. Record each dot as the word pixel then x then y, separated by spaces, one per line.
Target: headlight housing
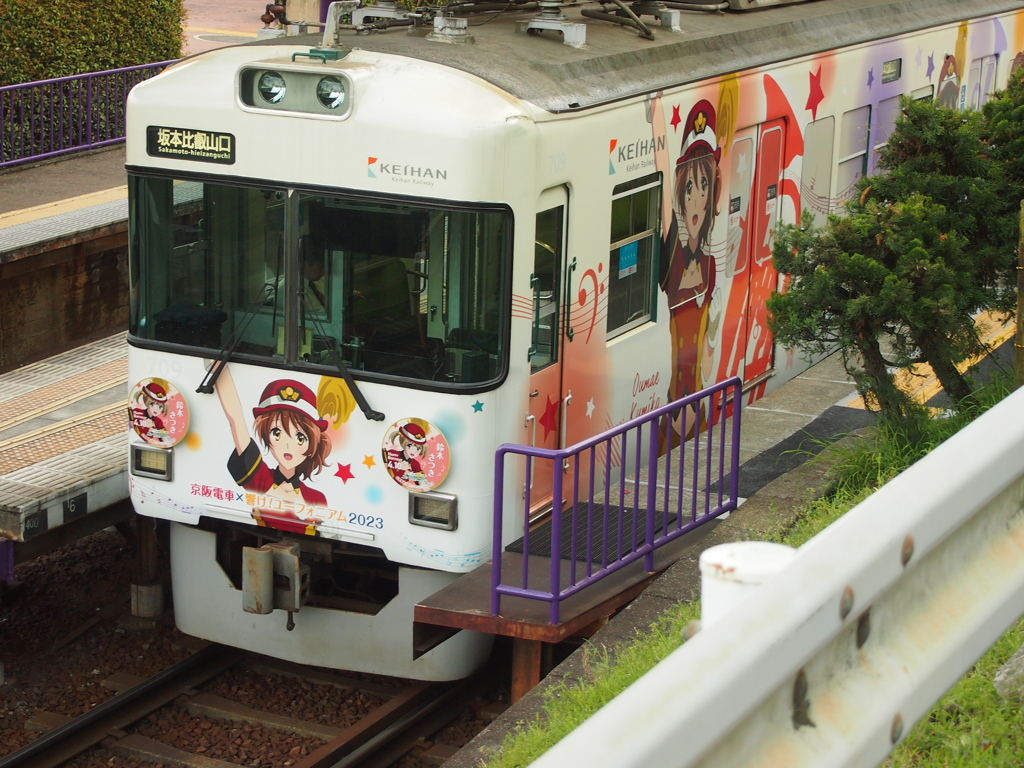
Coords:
pixel 271 87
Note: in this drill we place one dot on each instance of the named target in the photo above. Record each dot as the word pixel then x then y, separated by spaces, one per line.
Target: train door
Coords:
pixel 551 341
pixel 756 175
pixel 741 180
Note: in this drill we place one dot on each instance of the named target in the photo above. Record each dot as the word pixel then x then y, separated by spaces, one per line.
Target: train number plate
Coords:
pixel 35 524
pixel 76 506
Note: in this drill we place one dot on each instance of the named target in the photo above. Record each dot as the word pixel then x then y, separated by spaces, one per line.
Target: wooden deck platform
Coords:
pixel 466 602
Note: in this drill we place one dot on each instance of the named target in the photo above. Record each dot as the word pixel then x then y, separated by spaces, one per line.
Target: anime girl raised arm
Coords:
pixel 287 423
pixel 228 396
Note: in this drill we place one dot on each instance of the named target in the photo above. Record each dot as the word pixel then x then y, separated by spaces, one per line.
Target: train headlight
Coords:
pixel 434 510
pixel 271 87
pixel 152 462
pixel 295 90
pixel 331 92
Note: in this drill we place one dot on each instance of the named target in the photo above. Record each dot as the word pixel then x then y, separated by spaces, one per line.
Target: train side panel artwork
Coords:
pixel 354 277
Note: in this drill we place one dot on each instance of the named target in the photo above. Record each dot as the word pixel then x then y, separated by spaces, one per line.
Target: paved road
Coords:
pixel 217 23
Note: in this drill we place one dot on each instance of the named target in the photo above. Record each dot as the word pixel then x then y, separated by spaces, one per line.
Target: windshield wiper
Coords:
pixel 224 355
pixel 364 406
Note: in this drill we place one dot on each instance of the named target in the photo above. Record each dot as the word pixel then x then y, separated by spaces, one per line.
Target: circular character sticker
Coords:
pixel 416 454
pixel 158 412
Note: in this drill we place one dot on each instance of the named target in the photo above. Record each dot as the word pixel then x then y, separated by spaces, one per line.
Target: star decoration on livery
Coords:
pixel 741 162
pixel 550 418
pixel 478 407
pixel 344 471
pixel 931 65
pixel 676 119
pixel 369 462
pixel 871 77
pixel 590 408
pixel 816 95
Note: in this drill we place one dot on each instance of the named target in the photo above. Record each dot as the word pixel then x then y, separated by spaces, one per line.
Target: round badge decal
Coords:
pixel 158 412
pixel 416 454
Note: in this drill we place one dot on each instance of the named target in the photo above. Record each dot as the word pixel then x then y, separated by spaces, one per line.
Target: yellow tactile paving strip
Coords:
pixel 25 450
pixel 53 396
pixel 25 215
pixel 206 31
pixel 922 385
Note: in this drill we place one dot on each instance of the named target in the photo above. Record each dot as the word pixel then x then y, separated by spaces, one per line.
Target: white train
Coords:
pixel 381 254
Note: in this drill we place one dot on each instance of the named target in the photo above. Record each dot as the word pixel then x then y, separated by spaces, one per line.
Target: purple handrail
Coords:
pixel 661 524
pixel 48 118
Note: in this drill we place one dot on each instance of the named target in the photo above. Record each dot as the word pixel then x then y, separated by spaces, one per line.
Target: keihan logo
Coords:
pixel 633 155
pixel 406 174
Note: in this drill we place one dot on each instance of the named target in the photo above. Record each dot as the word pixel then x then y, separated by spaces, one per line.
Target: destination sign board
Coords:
pixel 190 144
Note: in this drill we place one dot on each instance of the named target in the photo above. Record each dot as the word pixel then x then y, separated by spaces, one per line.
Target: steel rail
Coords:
pixel 397 739
pixel 88 730
pixel 390 731
pixel 359 734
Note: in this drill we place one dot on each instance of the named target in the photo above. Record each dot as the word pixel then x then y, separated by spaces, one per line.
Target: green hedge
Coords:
pixel 69 37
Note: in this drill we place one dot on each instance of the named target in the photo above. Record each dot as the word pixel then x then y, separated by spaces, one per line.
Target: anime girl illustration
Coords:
pixel 287 424
pixel 403 457
pixel 687 270
pixel 949 84
pixel 415 454
pixel 158 413
pixel 148 409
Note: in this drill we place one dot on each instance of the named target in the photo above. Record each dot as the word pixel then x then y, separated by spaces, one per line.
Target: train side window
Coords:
pixel 633 253
pixel 888 111
pixel 854 131
pixel 981 79
pixel 816 184
pixel 928 92
pixel 545 284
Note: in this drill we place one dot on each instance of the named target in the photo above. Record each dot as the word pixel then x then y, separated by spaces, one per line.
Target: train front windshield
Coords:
pixel 301 278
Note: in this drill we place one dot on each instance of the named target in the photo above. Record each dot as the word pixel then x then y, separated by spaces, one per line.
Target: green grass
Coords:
pixel 604 676
pixel 970 726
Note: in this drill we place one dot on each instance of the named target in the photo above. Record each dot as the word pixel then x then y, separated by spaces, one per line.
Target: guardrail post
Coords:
pixel 729 572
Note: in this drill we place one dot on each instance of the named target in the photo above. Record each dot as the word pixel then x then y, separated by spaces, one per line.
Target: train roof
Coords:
pixel 617 63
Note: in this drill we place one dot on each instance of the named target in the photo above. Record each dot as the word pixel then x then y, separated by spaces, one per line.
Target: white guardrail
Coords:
pixel 832 660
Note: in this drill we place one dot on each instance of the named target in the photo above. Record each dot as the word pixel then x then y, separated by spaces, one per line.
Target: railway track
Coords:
pixel 156 720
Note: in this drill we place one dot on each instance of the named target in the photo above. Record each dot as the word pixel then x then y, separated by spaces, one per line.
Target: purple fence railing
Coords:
pixel 630 500
pixel 47 118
